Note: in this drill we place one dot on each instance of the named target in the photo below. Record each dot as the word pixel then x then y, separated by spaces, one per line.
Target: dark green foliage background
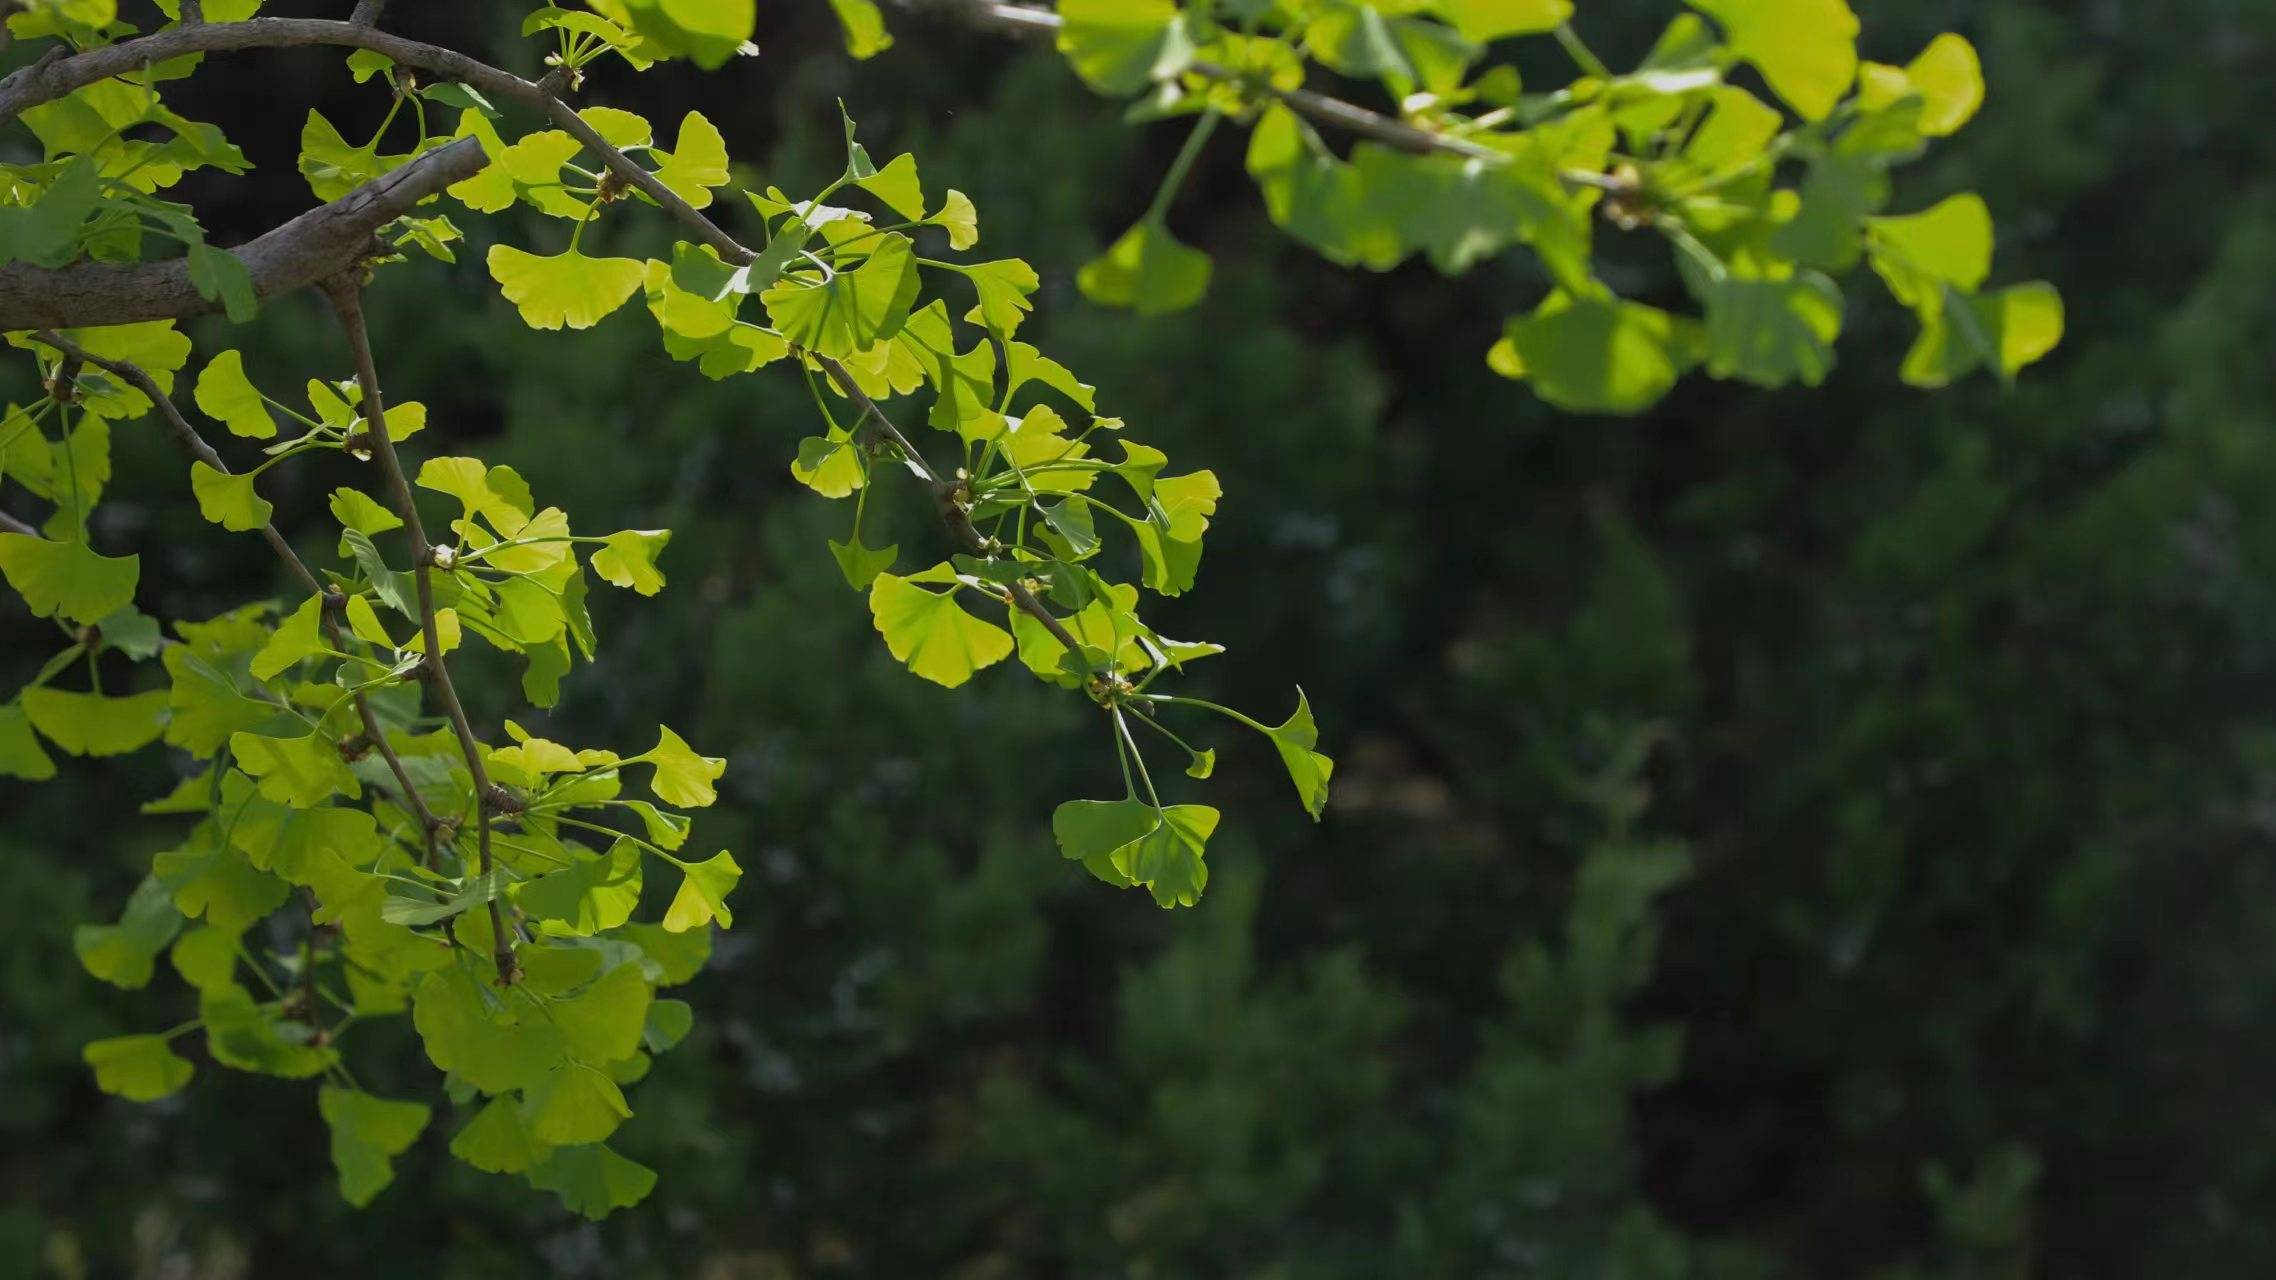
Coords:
pixel 1957 706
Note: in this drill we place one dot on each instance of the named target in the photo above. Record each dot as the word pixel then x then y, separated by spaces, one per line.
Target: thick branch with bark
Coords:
pixel 320 243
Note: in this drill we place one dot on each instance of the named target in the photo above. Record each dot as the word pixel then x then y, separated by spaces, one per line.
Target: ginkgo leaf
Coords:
pixel 957 217
pixel 496 1141
pixel 90 724
pixel 1772 332
pixel 852 309
pixel 1806 49
pixel 125 953
pixel 682 777
pixel 593 1180
pixel 697 161
pixel 1147 270
pixel 137 1068
pixel 603 1023
pixel 1949 242
pixel 864 27
pixel 702 897
pixel 628 559
pixel 1132 843
pixel 1121 46
pixel 367 1134
pixel 67 579
pixel 567 289
pixel 932 634
pixel 1484 20
pixel 1308 769
pixel 861 563
pixel 898 186
pixel 587 896
pixel 1596 355
pixel 573 1104
pixel 20 753
pixel 300 772
pixel 228 498
pixel 225 393
pixel 296 638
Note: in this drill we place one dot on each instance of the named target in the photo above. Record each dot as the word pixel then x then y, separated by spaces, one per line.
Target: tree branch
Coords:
pixel 1021 20
pixel 322 242
pixel 10 524
pixel 195 445
pixel 346 295
pixel 185 435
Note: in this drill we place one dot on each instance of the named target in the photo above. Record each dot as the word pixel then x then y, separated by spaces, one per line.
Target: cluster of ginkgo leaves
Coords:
pixel 1763 203
pixel 354 849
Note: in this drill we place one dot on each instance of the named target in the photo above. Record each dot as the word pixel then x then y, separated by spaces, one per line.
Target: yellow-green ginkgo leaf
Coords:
pixel 496 1141
pixel 1119 46
pixel 1147 270
pixel 67 579
pixel 137 1068
pixel 228 499
pixel 683 778
pixel 367 1134
pixel 1596 354
pixel 852 310
pixel 628 559
pixel 703 894
pixel 931 633
pixel 957 217
pixel 593 1180
pixel 864 27
pixel 567 289
pixel 1484 20
pixel 1950 80
pixel 697 162
pixel 573 1104
pixel 1950 243
pixel 301 772
pixel 90 724
pixel 1806 49
pixel 225 393
pixel 20 753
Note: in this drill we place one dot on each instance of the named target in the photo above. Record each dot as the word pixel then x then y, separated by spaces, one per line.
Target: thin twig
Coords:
pixel 185 435
pixel 193 443
pixel 13 525
pixel 346 294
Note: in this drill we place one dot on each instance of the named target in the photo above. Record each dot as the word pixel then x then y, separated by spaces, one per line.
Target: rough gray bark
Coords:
pixel 320 243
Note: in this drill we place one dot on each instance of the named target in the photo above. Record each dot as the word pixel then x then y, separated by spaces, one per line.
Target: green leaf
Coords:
pixel 898 187
pixel 572 1104
pixel 1307 768
pixel 1772 332
pixel 959 219
pixel 1485 20
pixel 703 894
pixel 216 881
pixel 1596 354
pixel 137 1068
pixel 67 579
pixel 567 288
pixel 1121 46
pixel 1131 843
pixel 587 896
pixel 669 1022
pixel 204 706
pixel 1148 270
pixel 593 1180
pixel 357 510
pixel 1949 243
pixel 861 563
pixel 248 1037
pixel 697 161
pixel 301 772
pixel 930 633
pixel 20 753
pixel 228 499
pixel 852 310
pixel 297 637
pixel 682 777
pixel 1806 49
pixel 628 559
pixel 125 954
pixel 864 27
pixel 1947 78
pixel 495 1141
pixel 367 1134
pixel 89 724
pixel 45 233
pixel 603 1023
pixel 2005 330
pixel 221 276
pixel 206 957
